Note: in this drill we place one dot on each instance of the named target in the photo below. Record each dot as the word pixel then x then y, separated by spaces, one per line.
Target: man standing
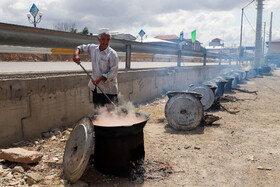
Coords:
pixel 105 64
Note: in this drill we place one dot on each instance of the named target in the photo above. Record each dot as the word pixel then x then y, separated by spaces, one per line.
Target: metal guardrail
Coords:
pixel 36 37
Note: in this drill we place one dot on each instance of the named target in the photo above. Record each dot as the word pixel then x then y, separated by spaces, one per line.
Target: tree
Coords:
pixel 65 26
pixel 73 30
pixel 85 31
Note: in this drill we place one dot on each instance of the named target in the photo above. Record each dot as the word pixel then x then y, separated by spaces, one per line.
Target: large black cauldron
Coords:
pixel 117 148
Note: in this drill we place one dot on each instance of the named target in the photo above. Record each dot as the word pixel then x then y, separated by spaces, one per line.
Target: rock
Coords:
pixel 63 140
pixel 1 168
pixel 18 169
pixel 186 147
pixel 24 166
pixel 33 178
pixel 4 166
pixel 46 134
pixel 9 176
pixel 50 177
pixel 53 138
pixel 56 131
pixel 17 143
pixel 264 168
pixel 12 165
pixel 251 158
pixel 20 155
pixel 14 183
pixel 22 182
pixel 39 148
pixel 80 184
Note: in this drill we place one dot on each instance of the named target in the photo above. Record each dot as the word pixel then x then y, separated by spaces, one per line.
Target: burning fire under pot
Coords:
pixel 115 144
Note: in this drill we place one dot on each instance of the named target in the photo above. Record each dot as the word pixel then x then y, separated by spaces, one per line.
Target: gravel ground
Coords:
pixel 240 149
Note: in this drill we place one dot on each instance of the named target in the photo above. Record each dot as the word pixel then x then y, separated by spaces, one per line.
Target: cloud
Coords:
pixel 211 18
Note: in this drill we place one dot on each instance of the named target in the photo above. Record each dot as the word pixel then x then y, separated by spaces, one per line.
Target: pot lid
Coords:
pixel 207 99
pixel 78 149
pixel 173 93
pixel 251 74
pixel 183 112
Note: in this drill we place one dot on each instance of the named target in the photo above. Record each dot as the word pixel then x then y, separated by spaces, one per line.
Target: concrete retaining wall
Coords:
pixel 31 106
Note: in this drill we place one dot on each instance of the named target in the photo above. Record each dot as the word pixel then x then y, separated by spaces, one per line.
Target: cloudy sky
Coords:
pixel 211 18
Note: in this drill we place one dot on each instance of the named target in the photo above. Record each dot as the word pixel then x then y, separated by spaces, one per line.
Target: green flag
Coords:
pixel 193 36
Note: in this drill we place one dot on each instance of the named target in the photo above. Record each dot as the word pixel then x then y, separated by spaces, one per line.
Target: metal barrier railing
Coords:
pixel 35 37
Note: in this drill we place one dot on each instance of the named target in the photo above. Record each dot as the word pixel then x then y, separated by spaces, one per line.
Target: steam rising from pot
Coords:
pixel 123 115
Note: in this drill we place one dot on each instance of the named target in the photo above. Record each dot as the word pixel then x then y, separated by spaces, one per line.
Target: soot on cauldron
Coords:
pixel 119 142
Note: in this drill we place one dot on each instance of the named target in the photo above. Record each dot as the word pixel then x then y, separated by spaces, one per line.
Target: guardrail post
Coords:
pixel 204 59
pixel 46 57
pixel 220 59
pixel 229 61
pixel 128 56
pixel 179 58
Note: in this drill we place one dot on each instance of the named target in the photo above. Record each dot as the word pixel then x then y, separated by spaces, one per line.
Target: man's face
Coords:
pixel 104 41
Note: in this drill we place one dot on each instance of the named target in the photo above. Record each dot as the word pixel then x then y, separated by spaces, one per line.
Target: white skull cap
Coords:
pixel 103 31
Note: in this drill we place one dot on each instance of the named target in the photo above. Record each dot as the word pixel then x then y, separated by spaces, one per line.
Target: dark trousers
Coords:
pixel 99 99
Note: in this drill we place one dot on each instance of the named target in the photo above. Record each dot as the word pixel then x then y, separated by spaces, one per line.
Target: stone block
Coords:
pixel 20 155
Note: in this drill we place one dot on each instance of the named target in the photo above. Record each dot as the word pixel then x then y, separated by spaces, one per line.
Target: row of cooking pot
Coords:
pixel 184 110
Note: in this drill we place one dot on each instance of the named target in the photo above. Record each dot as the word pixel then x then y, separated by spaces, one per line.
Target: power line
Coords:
pixel 249 23
pixel 248 4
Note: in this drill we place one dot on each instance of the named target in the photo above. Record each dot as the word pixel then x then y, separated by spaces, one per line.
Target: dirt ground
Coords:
pixel 240 149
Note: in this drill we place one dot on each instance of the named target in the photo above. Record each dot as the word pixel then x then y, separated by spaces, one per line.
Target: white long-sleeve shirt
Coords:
pixel 104 63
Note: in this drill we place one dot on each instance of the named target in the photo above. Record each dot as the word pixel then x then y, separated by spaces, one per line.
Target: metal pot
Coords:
pixel 114 148
pixel 117 131
pixel 184 110
pixel 228 84
pixel 266 69
pixel 220 88
pixel 251 74
pixel 207 95
pixel 117 147
pixel 213 87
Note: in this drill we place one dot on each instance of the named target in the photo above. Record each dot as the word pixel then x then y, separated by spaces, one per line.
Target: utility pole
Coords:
pixel 240 46
pixel 270 33
pixel 258 42
pixel 263 46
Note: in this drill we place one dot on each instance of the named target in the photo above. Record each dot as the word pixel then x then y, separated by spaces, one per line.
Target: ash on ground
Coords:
pixel 150 170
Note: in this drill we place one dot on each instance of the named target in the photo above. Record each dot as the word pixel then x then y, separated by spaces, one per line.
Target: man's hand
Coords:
pixel 97 81
pixel 76 57
pixel 94 83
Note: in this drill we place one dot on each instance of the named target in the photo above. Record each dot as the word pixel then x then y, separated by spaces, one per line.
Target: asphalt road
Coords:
pixel 32 67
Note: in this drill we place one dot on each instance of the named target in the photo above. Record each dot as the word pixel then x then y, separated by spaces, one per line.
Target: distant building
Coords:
pixel 188 42
pixel 122 36
pixel 171 38
pixel 193 46
pixel 231 52
pixel 152 40
pixel 273 53
pixel 216 42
